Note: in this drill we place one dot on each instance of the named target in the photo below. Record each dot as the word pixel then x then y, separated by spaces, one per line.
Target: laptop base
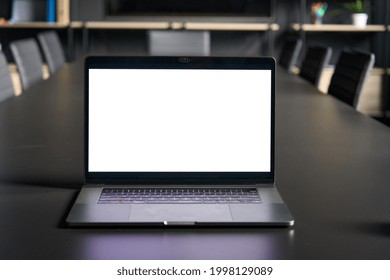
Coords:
pixel 270 212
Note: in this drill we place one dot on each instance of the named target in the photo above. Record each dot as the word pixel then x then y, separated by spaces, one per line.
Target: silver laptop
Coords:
pixel 179 141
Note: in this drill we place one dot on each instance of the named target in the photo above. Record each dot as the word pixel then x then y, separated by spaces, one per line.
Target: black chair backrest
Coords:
pixel 6 86
pixel 350 74
pixel 315 60
pixel 52 50
pixel 28 60
pixel 290 53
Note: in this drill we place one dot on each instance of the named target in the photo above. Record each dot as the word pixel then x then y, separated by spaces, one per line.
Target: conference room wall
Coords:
pixel 231 43
pixel 240 43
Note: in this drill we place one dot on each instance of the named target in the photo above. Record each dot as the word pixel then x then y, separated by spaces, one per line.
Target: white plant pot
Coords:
pixel 359 20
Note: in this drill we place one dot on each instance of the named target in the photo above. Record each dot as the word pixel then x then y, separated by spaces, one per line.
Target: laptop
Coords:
pixel 179 141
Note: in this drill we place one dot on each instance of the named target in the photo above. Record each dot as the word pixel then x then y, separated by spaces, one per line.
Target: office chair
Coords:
pixel 290 53
pixel 28 60
pixel 313 64
pixel 6 86
pixel 350 74
pixel 52 50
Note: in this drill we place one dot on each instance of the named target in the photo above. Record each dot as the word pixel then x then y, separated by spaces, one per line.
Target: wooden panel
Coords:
pixel 127 25
pixel 230 26
pixel 76 24
pixel 337 28
pixel 35 24
pixel 182 25
pixel 63 11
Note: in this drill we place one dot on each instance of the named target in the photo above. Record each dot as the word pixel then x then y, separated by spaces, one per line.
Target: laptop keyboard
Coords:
pixel 178 196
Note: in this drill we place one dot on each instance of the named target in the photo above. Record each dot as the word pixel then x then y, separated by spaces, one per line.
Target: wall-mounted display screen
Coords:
pixel 192 8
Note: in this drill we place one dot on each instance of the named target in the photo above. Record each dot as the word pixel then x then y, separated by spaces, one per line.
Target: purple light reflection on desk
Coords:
pixel 190 244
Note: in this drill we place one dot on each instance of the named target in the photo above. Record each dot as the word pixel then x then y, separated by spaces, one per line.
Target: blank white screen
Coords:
pixel 179 120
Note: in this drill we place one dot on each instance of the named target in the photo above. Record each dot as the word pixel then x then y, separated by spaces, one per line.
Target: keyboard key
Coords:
pixel 112 195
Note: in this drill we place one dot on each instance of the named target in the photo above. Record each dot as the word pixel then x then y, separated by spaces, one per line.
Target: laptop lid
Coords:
pixel 179 120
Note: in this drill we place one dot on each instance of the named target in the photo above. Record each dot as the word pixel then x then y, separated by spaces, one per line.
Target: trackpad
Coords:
pixel 180 213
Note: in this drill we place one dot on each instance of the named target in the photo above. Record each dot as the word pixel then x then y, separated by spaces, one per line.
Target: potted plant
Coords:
pixel 359 10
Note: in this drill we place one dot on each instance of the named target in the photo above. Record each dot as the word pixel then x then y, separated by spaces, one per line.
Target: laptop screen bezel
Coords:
pixel 118 62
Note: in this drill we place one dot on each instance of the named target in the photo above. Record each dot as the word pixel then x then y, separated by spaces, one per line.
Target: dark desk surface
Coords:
pixel 332 168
